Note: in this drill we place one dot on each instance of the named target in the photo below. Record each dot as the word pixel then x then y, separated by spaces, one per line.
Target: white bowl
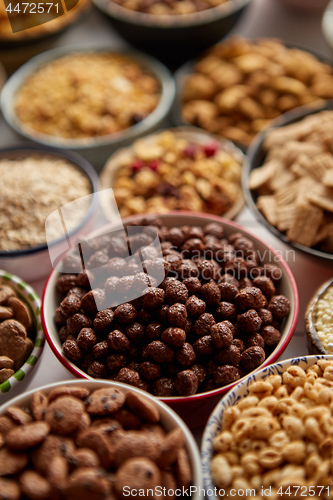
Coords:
pixel 235 396
pixel 169 419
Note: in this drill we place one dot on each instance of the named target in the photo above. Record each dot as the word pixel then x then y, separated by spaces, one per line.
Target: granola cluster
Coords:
pixel 240 86
pixel 165 7
pixel 168 172
pixel 295 183
pixel 85 95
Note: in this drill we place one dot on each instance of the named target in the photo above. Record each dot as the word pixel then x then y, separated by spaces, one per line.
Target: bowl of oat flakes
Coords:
pixel 35 183
pixel 271 435
pixel 88 99
pixel 319 320
pixel 176 169
pixel 289 189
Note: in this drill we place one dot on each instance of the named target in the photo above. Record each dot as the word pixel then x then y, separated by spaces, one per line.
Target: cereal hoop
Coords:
pixel 31 299
pixel 193 134
pixel 235 396
pixel 193 409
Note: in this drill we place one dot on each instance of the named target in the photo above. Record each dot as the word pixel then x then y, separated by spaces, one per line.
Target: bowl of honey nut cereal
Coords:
pixel 177 169
pixel 35 183
pixel 197 305
pixel 296 201
pixel 21 332
pixel 319 320
pixel 95 440
pixel 88 99
pixel 239 86
pixel 177 30
pixel 271 434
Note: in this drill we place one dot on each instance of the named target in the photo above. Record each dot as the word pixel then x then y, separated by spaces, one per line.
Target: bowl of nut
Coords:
pixel 31 196
pixel 296 202
pixel 177 169
pixel 95 440
pixel 173 31
pixel 319 320
pixel 269 434
pixel 88 99
pixel 239 86
pixel 21 332
pixel 198 304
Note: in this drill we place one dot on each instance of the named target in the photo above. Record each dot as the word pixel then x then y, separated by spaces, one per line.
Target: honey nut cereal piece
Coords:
pixel 76 392
pixel 140 473
pixel 142 407
pixel 12 338
pixel 64 414
pixel 105 401
pixel 39 404
pixel 11 463
pixel 5 374
pixel 6 362
pixel 306 224
pixel 18 415
pixel 28 436
pixel 9 489
pixel 5 293
pixel 33 485
pixel 21 312
pixel 5 313
pixel 171 444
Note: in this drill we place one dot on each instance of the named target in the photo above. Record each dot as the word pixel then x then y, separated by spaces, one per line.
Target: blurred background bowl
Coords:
pixel 327 24
pixel 95 149
pixel 314 343
pixel 34 263
pixel 169 419
pixel 31 299
pixel 196 408
pixel 305 4
pixel 174 38
pixel 235 396
pixel 255 158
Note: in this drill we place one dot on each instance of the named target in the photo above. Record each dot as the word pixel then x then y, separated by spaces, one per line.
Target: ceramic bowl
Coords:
pixel 169 419
pixel 192 134
pixel 235 396
pixel 34 263
pixel 96 149
pixel 31 299
pixel 196 408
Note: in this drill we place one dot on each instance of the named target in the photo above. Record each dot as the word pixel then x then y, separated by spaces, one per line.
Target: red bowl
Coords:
pixel 193 409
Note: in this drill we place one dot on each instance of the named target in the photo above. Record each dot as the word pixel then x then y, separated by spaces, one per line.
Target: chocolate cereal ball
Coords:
pixel 93 301
pixel 97 370
pixel 225 375
pixel 125 313
pixel 175 337
pixel 101 350
pixel 193 285
pixel 249 322
pixel 195 306
pixel 226 311
pixel 206 269
pixel 70 305
pixel 158 351
pixel 186 355
pixel 85 279
pixel 266 285
pixel 115 362
pixel 273 272
pixel 266 316
pixel 204 346
pixel 270 335
pixel 60 317
pixel 186 383
pixel 118 341
pixel 187 269
pixel 66 282
pixel 193 247
pixel 87 338
pixel 153 331
pixel 210 293
pixel 200 372
pixel 127 376
pixel 250 298
pixel 279 306
pixel 78 321
pixel 214 229
pixel 228 292
pixel 177 315
pixel 176 292
pixel 230 355
pixel 164 387
pixel 149 371
pixel 251 358
pixel 103 320
pixel 71 349
pixel 175 236
pixel 203 324
pixel 255 339
pixel 221 335
pixel 152 298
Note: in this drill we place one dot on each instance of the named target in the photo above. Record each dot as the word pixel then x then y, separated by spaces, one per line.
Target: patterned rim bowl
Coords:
pixel 233 397
pixel 31 299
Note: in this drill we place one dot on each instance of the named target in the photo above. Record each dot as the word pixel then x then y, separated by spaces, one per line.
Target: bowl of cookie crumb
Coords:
pixel 290 188
pixel 21 333
pixel 36 182
pixel 319 320
pixel 95 440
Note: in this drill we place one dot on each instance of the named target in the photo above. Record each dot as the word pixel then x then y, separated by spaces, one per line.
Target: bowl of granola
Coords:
pixel 36 183
pixel 173 31
pixel 270 434
pixel 239 86
pixel 289 189
pixel 88 99
pixel 177 169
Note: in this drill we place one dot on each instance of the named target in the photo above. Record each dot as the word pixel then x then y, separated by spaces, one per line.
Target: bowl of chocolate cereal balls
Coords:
pixel 271 434
pixel 197 304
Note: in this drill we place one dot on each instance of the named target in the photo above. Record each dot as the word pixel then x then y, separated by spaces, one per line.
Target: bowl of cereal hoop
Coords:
pixel 88 99
pixel 198 304
pixel 271 434
pixel 182 168
pixel 21 332
pixel 319 320
pixel 295 202
pixel 111 441
pixel 36 183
